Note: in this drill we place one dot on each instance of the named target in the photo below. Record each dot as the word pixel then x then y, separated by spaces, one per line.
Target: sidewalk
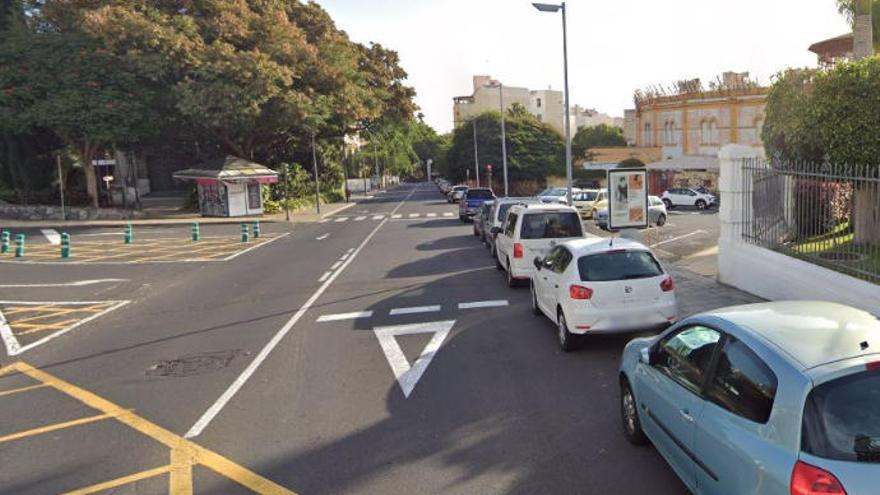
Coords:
pixel 298 216
pixel 697 293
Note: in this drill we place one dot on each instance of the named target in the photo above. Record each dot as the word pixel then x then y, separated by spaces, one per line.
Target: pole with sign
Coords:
pixel 627 198
pixel 489 174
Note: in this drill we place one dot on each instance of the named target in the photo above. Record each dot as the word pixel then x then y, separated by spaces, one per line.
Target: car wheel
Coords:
pixel 668 204
pixel 566 339
pixel 700 204
pixel 511 282
pixel 535 309
pixel 632 427
pixel 498 265
pixel 593 213
pixel 661 220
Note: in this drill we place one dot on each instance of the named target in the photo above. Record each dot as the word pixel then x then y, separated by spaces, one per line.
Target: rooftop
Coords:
pixel 810 333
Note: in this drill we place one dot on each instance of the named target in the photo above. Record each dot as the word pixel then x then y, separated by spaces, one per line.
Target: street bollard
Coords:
pixel 129 234
pixel 257 229
pixel 65 245
pixel 195 231
pixel 244 232
pixel 19 246
pixel 4 242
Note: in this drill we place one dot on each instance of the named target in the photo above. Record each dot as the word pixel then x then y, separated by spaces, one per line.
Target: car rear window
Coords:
pixel 479 194
pixel 551 225
pixel 618 265
pixel 842 419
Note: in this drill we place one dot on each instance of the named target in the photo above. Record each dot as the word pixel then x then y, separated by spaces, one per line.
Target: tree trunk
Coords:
pixel 91 174
pixel 867 214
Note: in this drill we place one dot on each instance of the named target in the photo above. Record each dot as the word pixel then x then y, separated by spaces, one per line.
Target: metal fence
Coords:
pixel 823 213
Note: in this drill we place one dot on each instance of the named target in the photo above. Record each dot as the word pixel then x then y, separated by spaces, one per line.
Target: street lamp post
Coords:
pixel 317 179
pixel 547 7
pixel 476 155
pixel 503 137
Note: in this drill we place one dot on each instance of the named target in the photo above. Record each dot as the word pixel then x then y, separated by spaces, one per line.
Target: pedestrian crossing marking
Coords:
pixel 448 214
pixel 432 215
pixel 378 217
pixel 397 215
pixel 360 219
pixel 414 215
pixel 341 219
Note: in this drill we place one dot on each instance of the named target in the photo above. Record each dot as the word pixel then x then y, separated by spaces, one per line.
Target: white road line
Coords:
pixel 325 276
pixel 667 241
pixel 397 216
pixel 351 250
pixel 341 219
pixel 414 310
pixel 345 316
pixel 255 246
pixel 482 304
pixel 378 217
pixel 78 283
pixel 336 265
pixel 360 219
pixel 321 238
pixel 52 236
pixel 414 215
pixel 431 215
pixel 324 220
pixel 448 214
pixel 239 382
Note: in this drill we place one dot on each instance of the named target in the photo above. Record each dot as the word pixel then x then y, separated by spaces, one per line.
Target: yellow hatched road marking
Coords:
pixel 184 453
pixel 22 389
pixel 131 478
pixel 56 426
pixel 37 327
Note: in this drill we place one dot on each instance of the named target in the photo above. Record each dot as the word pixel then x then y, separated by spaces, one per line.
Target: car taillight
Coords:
pixel 517 250
pixel 666 285
pixel 580 292
pixel 873 366
pixel 810 480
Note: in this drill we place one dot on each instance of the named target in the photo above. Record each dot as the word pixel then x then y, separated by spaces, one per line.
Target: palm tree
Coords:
pixel 850 8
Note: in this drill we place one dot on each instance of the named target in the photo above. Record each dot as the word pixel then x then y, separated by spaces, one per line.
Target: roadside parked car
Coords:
pixel 556 194
pixel 587 207
pixel 656 214
pixel 771 398
pixel 472 200
pixel 455 194
pixel 531 231
pixel 498 214
pixel 685 196
pixel 481 221
pixel 590 286
pixel 584 200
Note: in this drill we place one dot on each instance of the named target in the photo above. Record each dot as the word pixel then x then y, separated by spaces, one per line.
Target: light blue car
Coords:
pixel 773 398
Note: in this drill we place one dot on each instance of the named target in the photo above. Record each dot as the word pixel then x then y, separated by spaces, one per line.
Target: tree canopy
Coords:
pixel 594 137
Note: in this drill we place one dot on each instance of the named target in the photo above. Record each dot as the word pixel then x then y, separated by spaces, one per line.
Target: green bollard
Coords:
pixel 257 229
pixel 129 234
pixel 4 242
pixel 195 231
pixel 19 246
pixel 244 232
pixel 65 245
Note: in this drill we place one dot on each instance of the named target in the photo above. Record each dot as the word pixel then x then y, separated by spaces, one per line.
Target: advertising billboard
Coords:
pixel 627 198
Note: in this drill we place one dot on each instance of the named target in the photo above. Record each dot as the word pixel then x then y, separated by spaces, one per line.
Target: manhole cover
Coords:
pixel 195 364
pixel 837 256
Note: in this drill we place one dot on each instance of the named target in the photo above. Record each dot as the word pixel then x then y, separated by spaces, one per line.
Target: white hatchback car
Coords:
pixel 600 286
pixel 531 231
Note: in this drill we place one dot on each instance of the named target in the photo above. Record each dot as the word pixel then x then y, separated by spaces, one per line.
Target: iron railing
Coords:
pixel 823 213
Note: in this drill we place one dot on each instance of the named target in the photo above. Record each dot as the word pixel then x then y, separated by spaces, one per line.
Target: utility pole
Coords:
pixel 317 184
pixel 61 186
pixel 503 137
pixel 476 155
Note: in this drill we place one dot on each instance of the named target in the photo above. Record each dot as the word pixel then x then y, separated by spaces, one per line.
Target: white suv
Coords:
pixel 685 196
pixel 598 286
pixel 531 231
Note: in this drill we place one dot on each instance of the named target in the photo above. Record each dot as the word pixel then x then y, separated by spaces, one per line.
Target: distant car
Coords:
pixel 656 214
pixel 556 194
pixel 471 201
pixel 499 213
pixel 685 196
pixel 588 209
pixel 482 222
pixel 771 398
pixel 455 193
pixel 590 286
pixel 583 200
pixel 531 231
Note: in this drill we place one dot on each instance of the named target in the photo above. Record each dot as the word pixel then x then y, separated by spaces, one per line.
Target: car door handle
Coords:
pixel 685 415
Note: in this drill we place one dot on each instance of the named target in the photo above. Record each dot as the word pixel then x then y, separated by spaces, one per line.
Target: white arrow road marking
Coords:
pixel 78 283
pixel 52 236
pixel 322 237
pixel 408 376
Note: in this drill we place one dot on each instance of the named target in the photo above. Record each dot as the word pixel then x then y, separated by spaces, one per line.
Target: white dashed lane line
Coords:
pixel 360 219
pixel 341 219
pixel 483 304
pixel 345 316
pixel 448 214
pixel 414 310
pixel 432 215
pixel 397 215
pixel 378 217
pixel 325 276
pixel 410 310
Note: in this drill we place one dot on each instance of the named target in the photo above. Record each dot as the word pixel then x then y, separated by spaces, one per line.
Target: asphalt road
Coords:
pixel 284 361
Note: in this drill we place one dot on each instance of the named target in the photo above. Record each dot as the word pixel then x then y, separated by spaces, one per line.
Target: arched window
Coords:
pixel 669 133
pixel 709 132
pixel 647 137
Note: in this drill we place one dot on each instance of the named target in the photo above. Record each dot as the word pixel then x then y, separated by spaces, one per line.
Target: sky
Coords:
pixel 614 46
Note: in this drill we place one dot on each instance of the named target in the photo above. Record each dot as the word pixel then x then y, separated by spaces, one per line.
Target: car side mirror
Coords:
pixel 495 230
pixel 645 356
pixel 539 263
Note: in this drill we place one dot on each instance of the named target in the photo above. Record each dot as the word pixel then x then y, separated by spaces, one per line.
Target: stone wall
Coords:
pixel 39 212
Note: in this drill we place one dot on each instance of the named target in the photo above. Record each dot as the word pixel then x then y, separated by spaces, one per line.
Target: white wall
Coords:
pixel 769 274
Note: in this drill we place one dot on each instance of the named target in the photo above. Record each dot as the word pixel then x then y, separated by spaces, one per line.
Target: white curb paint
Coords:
pixel 251 368
pixel 52 236
pixel 345 316
pixel 414 310
pixel 482 304
pixel 408 376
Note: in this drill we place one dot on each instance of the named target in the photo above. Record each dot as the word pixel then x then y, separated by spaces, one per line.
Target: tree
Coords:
pixel 587 138
pixel 847 8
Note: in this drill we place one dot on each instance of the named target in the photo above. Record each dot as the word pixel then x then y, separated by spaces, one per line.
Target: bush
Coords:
pixel 821 206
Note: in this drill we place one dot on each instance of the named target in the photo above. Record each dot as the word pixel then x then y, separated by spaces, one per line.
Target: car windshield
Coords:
pixel 842 419
pixel 479 194
pixel 459 188
pixel 618 265
pixel 588 196
pixel 551 225
pixel 555 191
